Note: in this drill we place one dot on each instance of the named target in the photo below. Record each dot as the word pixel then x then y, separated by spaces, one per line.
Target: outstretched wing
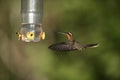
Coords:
pixel 63 46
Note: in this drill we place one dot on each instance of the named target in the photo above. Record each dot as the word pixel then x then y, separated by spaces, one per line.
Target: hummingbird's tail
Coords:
pixel 91 45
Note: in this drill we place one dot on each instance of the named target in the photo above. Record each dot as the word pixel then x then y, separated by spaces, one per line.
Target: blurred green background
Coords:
pixel 89 20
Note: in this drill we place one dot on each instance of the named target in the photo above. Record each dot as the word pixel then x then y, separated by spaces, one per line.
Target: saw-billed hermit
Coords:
pixel 71 44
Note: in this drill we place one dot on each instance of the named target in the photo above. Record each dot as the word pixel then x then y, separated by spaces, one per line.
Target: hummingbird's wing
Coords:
pixel 62 46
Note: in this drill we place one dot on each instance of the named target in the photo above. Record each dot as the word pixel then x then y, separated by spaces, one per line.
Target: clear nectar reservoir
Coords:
pixel 31 19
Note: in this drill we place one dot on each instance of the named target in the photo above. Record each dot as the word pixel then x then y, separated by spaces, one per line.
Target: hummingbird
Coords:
pixel 71 44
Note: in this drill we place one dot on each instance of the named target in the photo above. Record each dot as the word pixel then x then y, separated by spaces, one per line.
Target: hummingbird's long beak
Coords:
pixel 64 33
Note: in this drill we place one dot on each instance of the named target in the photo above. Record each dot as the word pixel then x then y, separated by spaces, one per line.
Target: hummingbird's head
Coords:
pixel 68 34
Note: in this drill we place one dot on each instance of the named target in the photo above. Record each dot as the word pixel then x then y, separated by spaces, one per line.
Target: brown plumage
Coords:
pixel 70 45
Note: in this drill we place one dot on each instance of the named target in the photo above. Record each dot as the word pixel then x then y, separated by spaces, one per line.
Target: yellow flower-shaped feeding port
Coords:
pixel 30 35
pixel 42 35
